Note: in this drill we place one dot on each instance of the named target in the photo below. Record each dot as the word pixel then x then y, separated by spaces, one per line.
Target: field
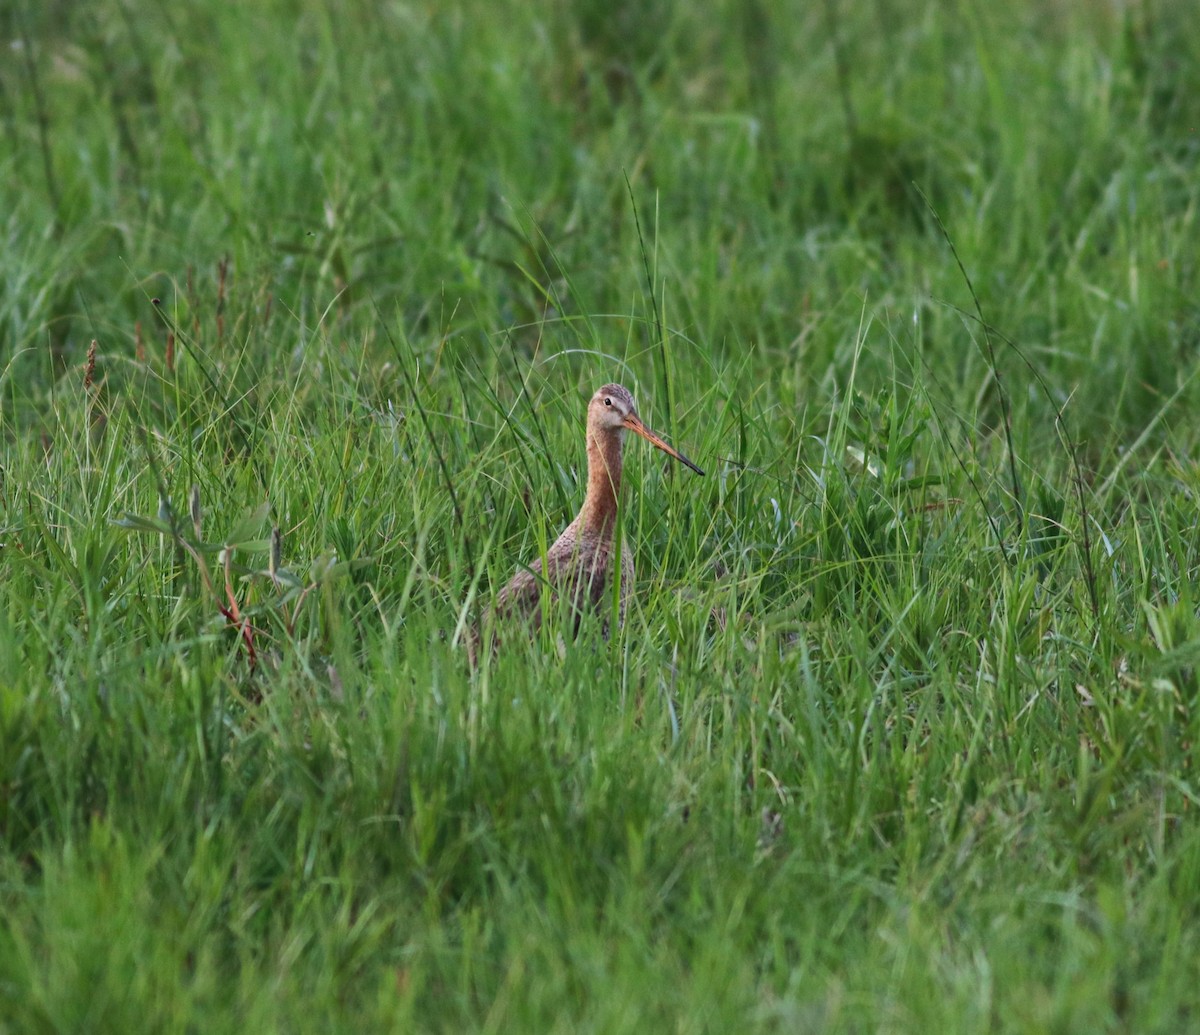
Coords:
pixel 301 304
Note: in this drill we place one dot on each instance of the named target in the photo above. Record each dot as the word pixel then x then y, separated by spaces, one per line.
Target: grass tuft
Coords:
pixel 299 310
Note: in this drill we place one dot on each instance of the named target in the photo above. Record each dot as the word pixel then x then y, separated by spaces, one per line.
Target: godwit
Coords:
pixel 579 566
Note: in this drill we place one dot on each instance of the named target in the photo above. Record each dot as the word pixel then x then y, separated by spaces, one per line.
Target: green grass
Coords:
pixel 887 742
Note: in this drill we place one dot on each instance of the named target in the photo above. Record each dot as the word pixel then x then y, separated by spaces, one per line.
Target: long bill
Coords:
pixel 634 423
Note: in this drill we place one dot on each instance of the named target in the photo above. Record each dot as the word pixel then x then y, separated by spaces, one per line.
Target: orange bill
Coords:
pixel 634 423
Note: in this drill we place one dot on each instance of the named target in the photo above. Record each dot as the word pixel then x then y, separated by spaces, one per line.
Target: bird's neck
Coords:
pixel 599 514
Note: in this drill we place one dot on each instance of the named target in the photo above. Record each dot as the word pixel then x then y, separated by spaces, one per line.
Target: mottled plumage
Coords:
pixel 580 565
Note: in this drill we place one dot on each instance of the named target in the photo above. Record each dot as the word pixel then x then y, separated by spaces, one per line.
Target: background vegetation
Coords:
pixel 300 305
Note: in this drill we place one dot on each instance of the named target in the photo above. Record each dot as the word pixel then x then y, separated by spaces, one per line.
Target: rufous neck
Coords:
pixel 604 480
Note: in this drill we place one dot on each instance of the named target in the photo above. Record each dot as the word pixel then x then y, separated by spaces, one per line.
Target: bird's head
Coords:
pixel 612 411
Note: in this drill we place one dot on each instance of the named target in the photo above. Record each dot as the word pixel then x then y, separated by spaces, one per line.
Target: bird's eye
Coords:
pixel 607 401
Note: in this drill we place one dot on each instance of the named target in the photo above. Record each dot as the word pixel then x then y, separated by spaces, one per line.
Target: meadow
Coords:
pixel 301 303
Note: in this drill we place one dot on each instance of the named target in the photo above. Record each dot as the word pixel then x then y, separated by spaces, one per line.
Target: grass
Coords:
pixel 900 733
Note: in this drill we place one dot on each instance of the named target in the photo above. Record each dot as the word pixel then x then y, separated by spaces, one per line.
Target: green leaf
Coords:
pixel 249 530
pixel 137 523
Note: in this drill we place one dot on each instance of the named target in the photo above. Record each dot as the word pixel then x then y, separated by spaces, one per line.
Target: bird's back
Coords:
pixel 578 570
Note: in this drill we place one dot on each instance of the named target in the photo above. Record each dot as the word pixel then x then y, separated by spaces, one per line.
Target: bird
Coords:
pixel 579 566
